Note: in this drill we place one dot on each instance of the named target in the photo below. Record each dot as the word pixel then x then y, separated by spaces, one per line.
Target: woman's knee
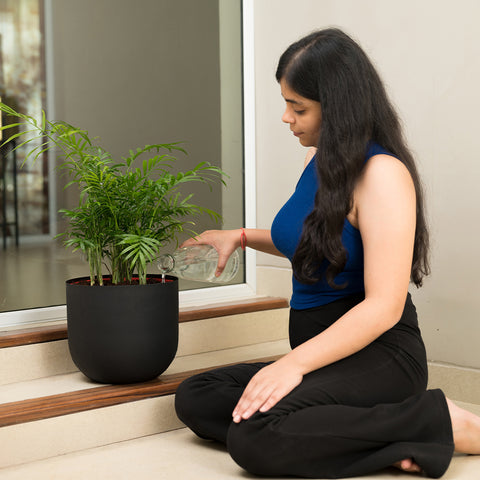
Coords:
pixel 205 404
pixel 251 447
pixel 185 400
pixel 261 447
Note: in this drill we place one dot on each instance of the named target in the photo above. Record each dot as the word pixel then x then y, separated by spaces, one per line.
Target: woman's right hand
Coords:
pixel 225 243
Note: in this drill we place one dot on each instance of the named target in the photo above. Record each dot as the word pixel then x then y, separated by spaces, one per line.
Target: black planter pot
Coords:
pixel 122 333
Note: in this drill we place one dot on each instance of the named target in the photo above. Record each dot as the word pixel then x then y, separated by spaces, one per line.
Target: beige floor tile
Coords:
pixel 177 455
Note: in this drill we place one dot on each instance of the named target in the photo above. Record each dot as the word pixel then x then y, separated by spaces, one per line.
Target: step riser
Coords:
pixel 70 433
pixel 233 331
pixel 29 362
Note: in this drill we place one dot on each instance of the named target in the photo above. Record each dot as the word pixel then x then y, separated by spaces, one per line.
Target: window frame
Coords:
pixel 202 296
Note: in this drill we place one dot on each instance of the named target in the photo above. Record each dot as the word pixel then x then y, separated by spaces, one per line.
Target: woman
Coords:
pixel 349 398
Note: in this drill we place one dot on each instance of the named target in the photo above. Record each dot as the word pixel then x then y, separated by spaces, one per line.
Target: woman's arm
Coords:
pixel 226 241
pixel 385 209
pixel 261 240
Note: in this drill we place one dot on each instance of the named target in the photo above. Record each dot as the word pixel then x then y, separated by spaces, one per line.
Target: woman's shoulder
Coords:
pixel 383 176
pixel 383 166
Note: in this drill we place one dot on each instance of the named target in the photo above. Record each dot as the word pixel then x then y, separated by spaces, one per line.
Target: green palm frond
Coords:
pixel 127 210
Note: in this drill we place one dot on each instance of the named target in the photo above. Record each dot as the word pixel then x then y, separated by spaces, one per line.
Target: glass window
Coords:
pixel 132 74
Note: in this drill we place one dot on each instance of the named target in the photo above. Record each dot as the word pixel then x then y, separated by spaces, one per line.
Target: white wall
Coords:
pixel 428 53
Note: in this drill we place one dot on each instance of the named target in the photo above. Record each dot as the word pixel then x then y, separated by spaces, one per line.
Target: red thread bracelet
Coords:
pixel 243 239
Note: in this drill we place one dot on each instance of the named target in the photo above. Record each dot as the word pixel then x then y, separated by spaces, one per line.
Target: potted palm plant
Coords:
pixel 122 326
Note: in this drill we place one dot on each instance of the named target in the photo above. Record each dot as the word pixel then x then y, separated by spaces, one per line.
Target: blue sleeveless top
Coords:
pixel 287 229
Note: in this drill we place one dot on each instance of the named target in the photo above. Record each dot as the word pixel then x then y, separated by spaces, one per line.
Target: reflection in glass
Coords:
pixel 22 86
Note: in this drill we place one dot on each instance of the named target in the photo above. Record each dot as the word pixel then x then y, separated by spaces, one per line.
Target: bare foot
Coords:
pixel 408 465
pixel 466 429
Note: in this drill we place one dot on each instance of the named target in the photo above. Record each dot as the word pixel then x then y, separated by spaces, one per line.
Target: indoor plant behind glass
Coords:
pixel 122 327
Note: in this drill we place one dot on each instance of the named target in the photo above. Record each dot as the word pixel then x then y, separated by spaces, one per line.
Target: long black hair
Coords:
pixel 329 67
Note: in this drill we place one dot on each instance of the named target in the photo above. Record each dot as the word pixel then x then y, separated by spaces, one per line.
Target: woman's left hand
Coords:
pixel 266 388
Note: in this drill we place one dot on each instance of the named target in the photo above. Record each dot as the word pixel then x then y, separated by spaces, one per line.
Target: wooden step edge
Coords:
pixel 41 408
pixel 223 310
pixel 28 336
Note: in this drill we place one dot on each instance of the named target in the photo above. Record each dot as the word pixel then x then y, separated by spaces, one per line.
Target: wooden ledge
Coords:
pixel 28 336
pixel 89 399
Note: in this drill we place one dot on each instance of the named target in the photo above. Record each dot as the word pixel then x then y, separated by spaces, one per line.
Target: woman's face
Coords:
pixel 303 115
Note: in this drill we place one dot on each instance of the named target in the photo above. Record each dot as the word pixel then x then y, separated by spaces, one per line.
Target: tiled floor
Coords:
pixel 177 455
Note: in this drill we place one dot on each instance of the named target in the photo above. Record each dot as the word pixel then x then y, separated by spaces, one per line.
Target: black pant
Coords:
pixel 353 417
